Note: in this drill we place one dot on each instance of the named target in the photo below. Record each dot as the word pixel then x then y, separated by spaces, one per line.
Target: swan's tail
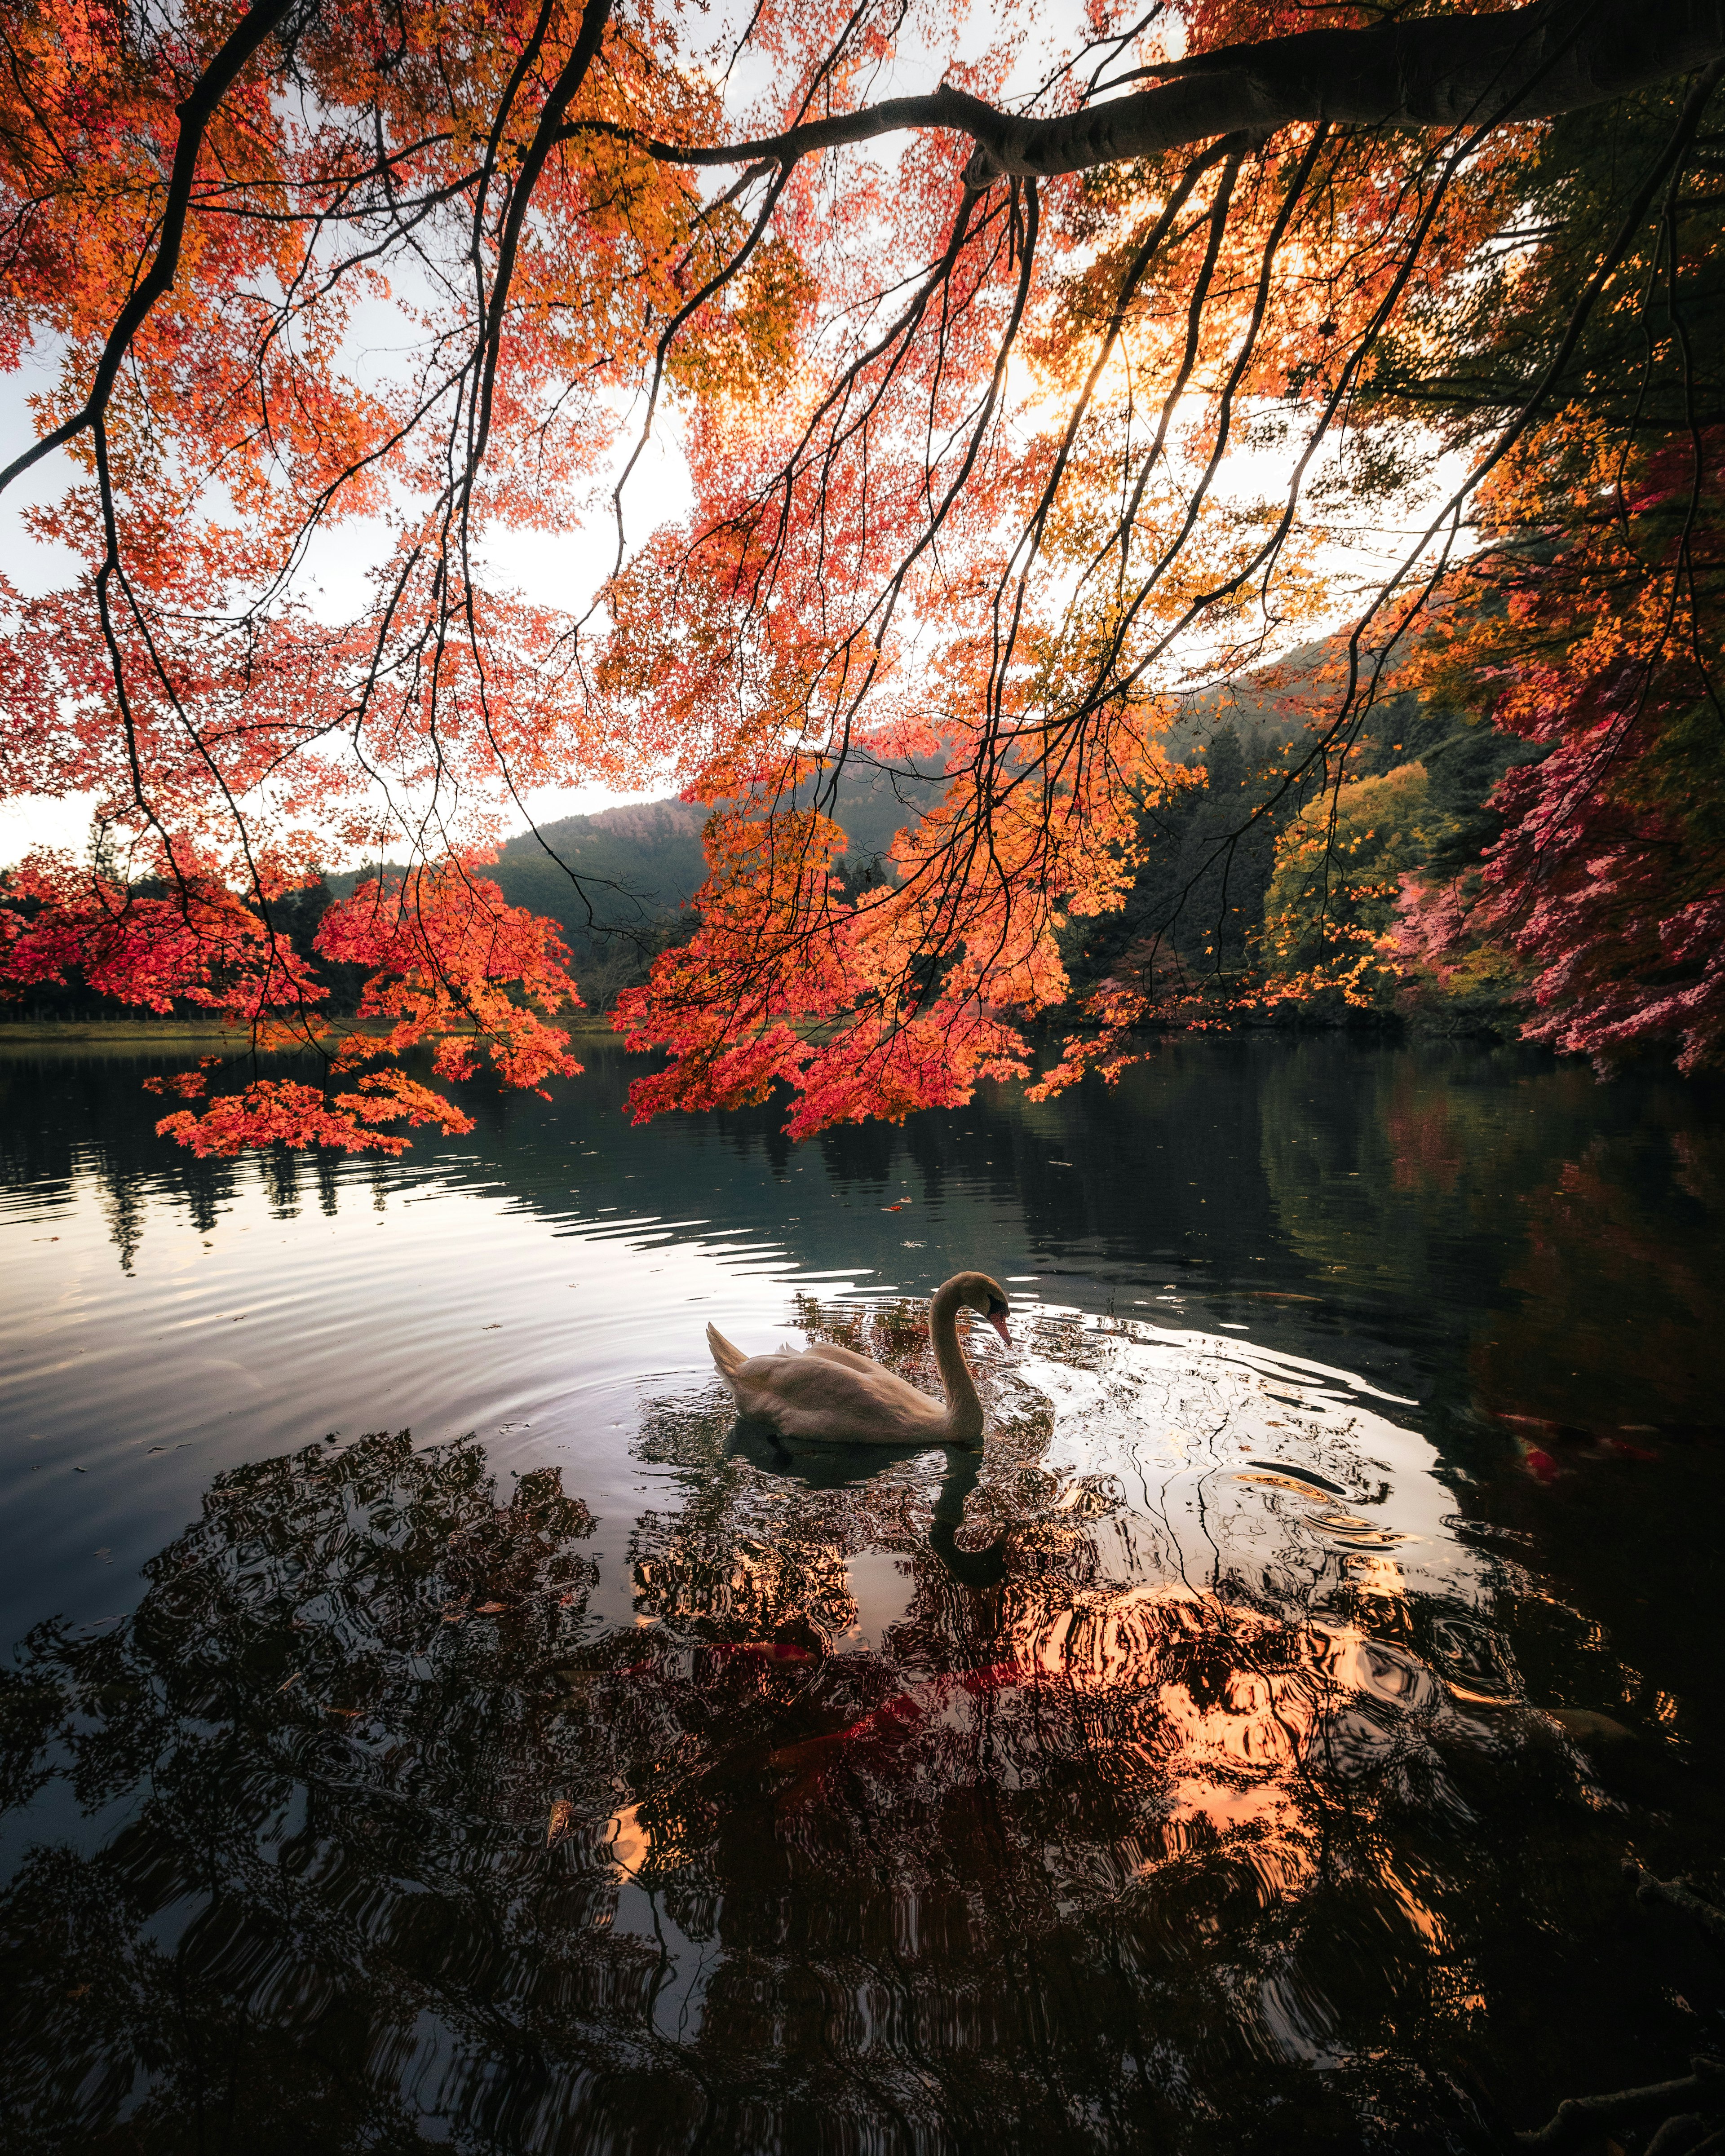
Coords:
pixel 729 1360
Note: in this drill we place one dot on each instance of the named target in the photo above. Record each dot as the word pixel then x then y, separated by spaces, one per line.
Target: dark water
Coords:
pixel 430 1724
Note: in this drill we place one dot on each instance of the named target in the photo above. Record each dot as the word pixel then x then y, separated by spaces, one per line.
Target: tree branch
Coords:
pixel 1679 1895
pixel 1440 71
pixel 195 114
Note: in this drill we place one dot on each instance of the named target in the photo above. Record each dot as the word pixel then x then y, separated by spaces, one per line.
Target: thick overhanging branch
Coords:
pixel 1443 71
pixel 250 35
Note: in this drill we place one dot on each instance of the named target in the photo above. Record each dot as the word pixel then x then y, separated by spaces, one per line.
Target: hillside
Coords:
pixel 637 866
pixel 618 882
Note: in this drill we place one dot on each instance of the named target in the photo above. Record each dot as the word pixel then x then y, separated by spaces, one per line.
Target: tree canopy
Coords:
pixel 1018 412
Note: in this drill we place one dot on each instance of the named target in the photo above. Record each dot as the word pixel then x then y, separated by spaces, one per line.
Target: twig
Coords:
pixel 1677 2135
pixel 1579 2117
pixel 1650 1890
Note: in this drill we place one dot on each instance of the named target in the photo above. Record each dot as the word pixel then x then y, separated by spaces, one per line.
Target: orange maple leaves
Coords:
pixel 449 965
pixel 961 451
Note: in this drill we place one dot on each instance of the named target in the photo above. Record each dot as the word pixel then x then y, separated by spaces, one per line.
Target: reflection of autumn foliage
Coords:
pixel 1598 1263
pixel 1204 1720
pixel 1196 1815
pixel 1426 1145
pixel 324 1726
pixel 388 1829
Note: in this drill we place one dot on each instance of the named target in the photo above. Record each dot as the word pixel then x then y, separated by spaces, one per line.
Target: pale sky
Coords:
pixel 562 570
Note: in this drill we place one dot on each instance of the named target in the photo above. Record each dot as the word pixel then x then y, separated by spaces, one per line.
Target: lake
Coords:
pixel 431 1721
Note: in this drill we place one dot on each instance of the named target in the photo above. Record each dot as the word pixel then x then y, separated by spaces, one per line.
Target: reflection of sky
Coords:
pixel 538 1300
pixel 437 1308
pixel 545 1281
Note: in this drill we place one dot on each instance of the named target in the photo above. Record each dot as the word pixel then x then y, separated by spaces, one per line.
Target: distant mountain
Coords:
pixel 632 863
pixel 638 866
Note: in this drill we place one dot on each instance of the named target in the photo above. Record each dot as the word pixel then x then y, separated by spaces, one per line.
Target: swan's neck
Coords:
pixel 964 1410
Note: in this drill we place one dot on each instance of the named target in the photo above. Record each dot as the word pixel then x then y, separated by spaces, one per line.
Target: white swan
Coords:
pixel 832 1394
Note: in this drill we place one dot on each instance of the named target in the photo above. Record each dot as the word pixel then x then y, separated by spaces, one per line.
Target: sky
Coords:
pixel 562 570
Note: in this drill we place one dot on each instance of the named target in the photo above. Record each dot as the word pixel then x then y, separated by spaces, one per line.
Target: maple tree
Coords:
pixel 977 391
pixel 1607 883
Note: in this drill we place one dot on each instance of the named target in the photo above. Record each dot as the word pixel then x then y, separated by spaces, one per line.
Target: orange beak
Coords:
pixel 1000 1326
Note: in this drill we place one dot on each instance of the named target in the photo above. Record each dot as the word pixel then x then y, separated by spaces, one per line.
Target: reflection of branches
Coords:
pixel 377 1775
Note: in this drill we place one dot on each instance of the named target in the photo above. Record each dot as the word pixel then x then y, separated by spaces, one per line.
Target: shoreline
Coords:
pixel 186 1032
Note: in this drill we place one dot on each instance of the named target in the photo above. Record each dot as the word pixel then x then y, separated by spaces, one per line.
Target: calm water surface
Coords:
pixel 431 1721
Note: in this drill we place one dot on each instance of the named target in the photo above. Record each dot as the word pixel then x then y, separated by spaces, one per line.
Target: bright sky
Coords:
pixel 564 570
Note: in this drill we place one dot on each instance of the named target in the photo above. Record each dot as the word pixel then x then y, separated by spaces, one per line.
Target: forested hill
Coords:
pixel 636 866
pixel 632 862
pixel 1218 901
pixel 642 861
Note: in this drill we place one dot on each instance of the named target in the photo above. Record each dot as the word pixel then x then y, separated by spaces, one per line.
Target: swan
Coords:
pixel 835 1394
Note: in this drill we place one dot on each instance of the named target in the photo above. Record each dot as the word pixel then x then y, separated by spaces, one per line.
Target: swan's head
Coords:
pixel 987 1298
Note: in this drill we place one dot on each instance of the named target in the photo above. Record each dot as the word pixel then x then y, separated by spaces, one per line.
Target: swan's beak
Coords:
pixel 1000 1326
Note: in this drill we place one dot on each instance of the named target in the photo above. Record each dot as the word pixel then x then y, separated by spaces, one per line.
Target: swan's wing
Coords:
pixel 846 1356
pixel 820 1396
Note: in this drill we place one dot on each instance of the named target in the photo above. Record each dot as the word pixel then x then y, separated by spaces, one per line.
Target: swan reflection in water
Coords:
pixel 829 1466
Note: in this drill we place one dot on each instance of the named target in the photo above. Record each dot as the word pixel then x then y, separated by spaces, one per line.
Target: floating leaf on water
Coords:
pixel 490 1608
pixel 293 1680
pixel 1304 1476
pixel 1587 1724
pixel 562 1818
